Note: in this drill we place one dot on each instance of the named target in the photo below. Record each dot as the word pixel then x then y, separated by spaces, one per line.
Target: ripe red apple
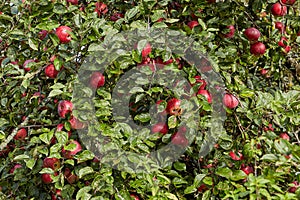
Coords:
pixel 257 49
pixel 202 188
pixel 278 9
pixel 64 107
pixel 192 24
pixel 46 178
pixel 179 139
pixel 295 187
pixel 74 2
pixel 43 34
pixel 252 33
pixel 134 196
pixel 230 101
pixel 21 134
pixel 173 107
pixel 76 124
pixel 279 26
pixel 206 94
pixel 52 163
pixel 50 71
pixel 160 127
pixel 283 42
pixel 69 154
pixel 97 80
pixel 288 2
pixel 11 171
pixel 287 49
pixel 233 155
pixel 101 8
pixel 56 195
pixel 230 34
pixel 264 72
pixel 25 67
pixel 147 50
pixel 247 169
pixel 116 16
pixel 285 136
pixel 63 34
pixel 200 80
pixel 71 177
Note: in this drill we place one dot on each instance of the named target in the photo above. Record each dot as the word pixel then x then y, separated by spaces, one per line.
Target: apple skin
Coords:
pixel 73 2
pixel 295 187
pixel 192 24
pixel 279 26
pixel 230 101
pixel 160 127
pixel 43 34
pixel 147 50
pixel 11 171
pixel 173 107
pixel 206 94
pixel 200 80
pixel 52 163
pixel 70 154
pixel 230 34
pixel 21 134
pixel 50 71
pixel 46 178
pixel 202 188
pixel 278 9
pixel 257 49
pixel 284 136
pixel 179 139
pixel 27 69
pixel 116 16
pixel 97 80
pixel 134 196
pixel 252 34
pixel 282 42
pixel 75 123
pixel 233 155
pixel 288 2
pixel 71 178
pixel 64 107
pixel 63 34
pixel 247 169
pixel 101 8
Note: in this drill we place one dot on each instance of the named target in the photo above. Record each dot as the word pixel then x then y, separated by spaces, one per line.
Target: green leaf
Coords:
pixel 47 25
pixel 46 137
pixel 198 179
pixel 55 92
pixel 3 122
pixel 180 166
pixel 84 171
pixel 238 175
pixel 224 172
pixel 190 189
pixel 32 44
pixel 270 157
pixel 30 163
pixel 83 193
pixel 131 13
pixel 21 157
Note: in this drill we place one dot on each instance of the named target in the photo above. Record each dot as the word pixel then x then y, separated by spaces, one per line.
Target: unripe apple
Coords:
pixel 64 107
pixel 285 136
pixel 101 8
pixel 252 33
pixel 233 155
pixel 192 24
pixel 278 9
pixel 69 154
pixel 76 124
pixel 206 94
pixel 63 34
pixel 257 49
pixel 147 50
pixel 11 171
pixel 52 163
pixel 50 71
pixel 74 2
pixel 179 139
pixel 21 134
pixel 97 80
pixel 230 34
pixel 160 127
pixel 173 107
pixel 230 101
pixel 288 2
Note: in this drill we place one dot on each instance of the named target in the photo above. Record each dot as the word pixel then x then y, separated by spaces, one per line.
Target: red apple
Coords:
pixel 257 49
pixel 64 107
pixel 46 178
pixel 252 33
pixel 247 169
pixel 74 2
pixel 63 34
pixel 179 139
pixel 285 136
pixel 283 41
pixel 264 72
pixel 11 171
pixel 295 187
pixel 76 124
pixel 206 94
pixel 101 8
pixel 173 107
pixel 134 196
pixel 56 195
pixel 287 49
pixel 25 64
pixel 43 34
pixel 230 101
pixel 192 24
pixel 50 71
pixel 147 50
pixel 199 80
pixel 230 34
pixel 279 26
pixel 116 16
pixel 288 2
pixel 160 127
pixel 278 9
pixel 21 134
pixel 233 155
pixel 202 188
pixel 69 154
pixel 52 163
pixel 97 80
